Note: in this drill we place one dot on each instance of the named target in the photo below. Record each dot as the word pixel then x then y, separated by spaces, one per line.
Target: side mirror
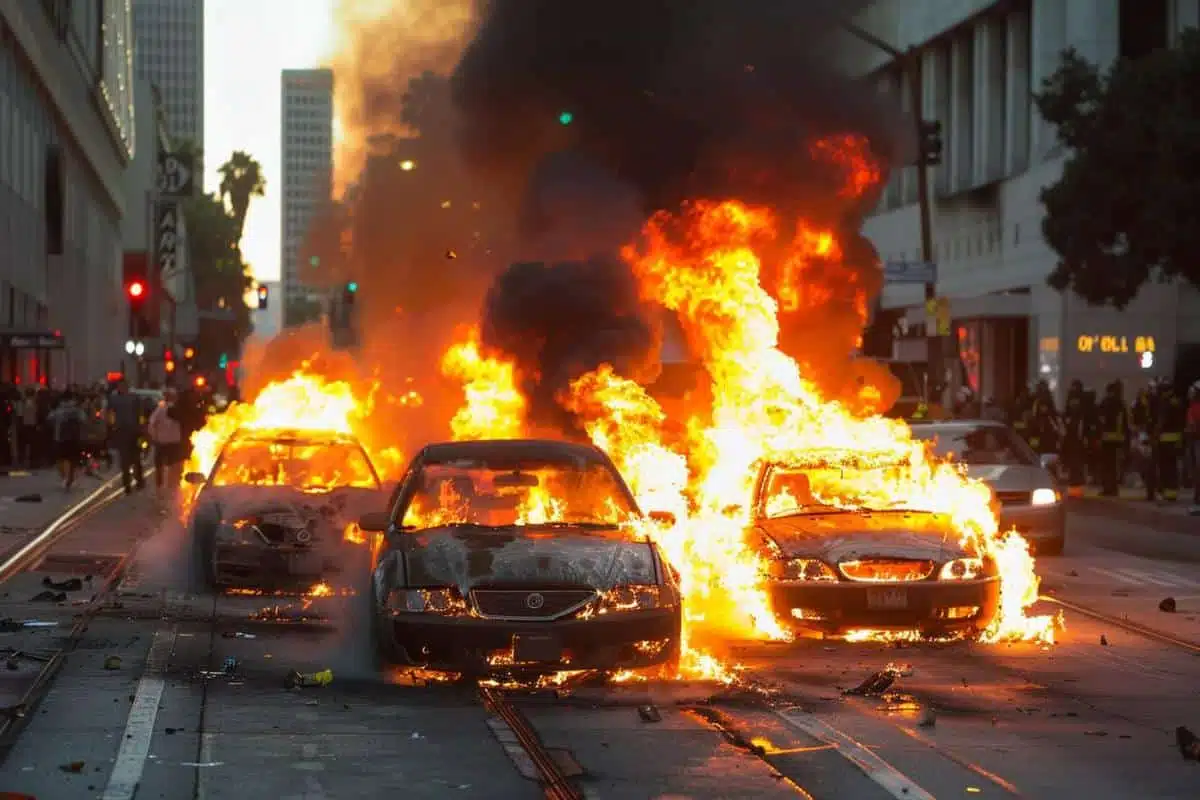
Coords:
pixel 195 478
pixel 1049 461
pixel 663 517
pixel 375 521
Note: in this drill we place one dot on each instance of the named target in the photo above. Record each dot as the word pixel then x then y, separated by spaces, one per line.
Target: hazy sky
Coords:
pixel 246 45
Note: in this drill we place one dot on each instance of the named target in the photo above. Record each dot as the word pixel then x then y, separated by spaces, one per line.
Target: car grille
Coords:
pixel 886 570
pixel 1014 498
pixel 530 603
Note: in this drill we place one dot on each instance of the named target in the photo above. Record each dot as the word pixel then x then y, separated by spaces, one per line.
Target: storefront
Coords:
pixel 33 357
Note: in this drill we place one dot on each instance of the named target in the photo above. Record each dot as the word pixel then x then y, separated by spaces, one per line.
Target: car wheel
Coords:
pixel 203 572
pixel 387 651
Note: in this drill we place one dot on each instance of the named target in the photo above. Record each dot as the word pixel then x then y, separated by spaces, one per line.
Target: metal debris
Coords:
pixel 1167 605
pixel 299 680
pixel 238 635
pixel 68 585
pixel 73 767
pixel 901 670
pixel 649 714
pixel 49 596
pixel 1103 640
pixel 1189 744
pixel 28 498
pixel 112 662
pixel 875 684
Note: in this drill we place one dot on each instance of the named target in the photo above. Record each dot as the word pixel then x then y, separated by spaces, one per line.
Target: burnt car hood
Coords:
pixel 1011 478
pixel 845 537
pixel 236 502
pixel 466 558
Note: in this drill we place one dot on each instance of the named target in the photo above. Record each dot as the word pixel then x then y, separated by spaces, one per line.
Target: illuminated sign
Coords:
pixel 1048 344
pixel 1115 344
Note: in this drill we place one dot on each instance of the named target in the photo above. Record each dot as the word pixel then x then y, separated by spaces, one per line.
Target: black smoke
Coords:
pixel 668 100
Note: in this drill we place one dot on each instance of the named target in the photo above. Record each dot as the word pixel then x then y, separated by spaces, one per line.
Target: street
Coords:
pixel 170 693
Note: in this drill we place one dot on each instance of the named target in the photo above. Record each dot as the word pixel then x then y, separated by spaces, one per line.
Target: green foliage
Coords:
pixel 219 273
pixel 1127 207
pixel 241 179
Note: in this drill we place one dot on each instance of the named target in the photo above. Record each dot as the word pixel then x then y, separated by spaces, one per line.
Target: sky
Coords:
pixel 247 43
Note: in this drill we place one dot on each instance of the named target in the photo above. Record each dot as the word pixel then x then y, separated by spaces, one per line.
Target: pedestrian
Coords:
pixel 165 434
pixel 1114 438
pixel 1170 416
pixel 125 411
pixel 1141 418
pixel 27 439
pixel 1074 440
pixel 66 422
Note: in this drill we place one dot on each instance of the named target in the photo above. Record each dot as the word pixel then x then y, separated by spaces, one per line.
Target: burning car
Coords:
pixel 837 568
pixel 516 556
pixel 274 506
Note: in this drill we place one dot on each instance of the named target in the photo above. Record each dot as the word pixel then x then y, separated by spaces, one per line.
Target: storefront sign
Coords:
pixel 1115 344
pixel 33 341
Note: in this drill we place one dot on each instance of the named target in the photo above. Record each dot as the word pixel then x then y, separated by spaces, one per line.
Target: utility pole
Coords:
pixel 929 146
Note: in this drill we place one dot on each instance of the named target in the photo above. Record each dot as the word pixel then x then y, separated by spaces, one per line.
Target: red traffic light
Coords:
pixel 136 290
pixel 262 291
pixel 201 382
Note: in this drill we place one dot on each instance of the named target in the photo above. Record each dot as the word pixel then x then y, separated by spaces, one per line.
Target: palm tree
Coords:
pixel 241 179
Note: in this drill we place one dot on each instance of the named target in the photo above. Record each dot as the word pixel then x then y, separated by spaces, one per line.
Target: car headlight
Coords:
pixel 962 569
pixel 808 569
pixel 1044 497
pixel 443 601
pixel 636 598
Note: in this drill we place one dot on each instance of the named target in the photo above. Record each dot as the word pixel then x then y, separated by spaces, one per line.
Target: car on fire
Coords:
pixel 273 509
pixel 513 556
pixel 833 570
pixel 1024 484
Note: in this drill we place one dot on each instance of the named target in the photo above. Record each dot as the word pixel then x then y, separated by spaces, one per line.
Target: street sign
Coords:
pixel 35 340
pixel 176 173
pixel 909 272
pixel 167 241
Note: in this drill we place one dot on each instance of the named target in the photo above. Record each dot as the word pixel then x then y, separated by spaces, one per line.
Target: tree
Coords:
pixel 220 276
pixel 1127 207
pixel 241 179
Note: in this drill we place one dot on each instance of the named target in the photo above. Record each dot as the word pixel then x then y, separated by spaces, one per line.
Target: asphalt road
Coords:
pixel 166 719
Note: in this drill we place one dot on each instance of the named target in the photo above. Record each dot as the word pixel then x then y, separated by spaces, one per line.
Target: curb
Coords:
pixel 1126 511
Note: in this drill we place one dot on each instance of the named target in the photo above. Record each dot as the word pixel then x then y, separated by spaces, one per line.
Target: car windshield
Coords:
pixel 311 466
pixel 979 445
pixel 527 492
pixel 790 491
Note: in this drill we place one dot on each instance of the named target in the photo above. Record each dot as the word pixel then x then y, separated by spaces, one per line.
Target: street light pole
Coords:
pixel 910 64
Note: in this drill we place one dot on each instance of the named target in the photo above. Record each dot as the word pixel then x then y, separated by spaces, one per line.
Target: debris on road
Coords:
pixel 303 680
pixel 1167 605
pixel 238 635
pixel 1072 574
pixel 875 684
pixel 28 498
pixel 68 585
pixel 112 662
pixel 1095 733
pixel 230 665
pixel 73 767
pixel 10 625
pixel 49 596
pixel 1189 743
pixel 649 714
pixel 1103 640
pixel 901 670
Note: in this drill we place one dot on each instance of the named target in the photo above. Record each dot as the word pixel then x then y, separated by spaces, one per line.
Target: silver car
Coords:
pixel 1024 484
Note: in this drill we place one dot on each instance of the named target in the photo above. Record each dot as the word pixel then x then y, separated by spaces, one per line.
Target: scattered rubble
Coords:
pixel 74 767
pixel 28 498
pixel 1189 744
pixel 68 585
pixel 49 596
pixel 302 680
pixel 1167 605
pixel 112 662
pixel 1103 640
pixel 649 713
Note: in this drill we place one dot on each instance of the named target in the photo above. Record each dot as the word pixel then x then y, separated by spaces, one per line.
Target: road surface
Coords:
pixel 149 705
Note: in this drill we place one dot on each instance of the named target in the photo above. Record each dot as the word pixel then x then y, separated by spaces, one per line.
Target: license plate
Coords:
pixel 536 649
pixel 887 599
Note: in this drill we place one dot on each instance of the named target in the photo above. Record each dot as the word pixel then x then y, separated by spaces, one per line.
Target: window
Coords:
pixel 1143 27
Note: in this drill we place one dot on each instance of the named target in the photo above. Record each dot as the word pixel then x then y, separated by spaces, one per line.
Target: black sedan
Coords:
pixel 511 556
pixel 835 570
pixel 273 510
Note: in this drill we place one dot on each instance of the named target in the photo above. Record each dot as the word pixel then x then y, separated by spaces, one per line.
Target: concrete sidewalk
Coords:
pixel 1132 506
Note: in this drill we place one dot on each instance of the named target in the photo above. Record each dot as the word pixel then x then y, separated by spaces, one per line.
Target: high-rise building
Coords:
pixel 169 43
pixel 63 155
pixel 307 148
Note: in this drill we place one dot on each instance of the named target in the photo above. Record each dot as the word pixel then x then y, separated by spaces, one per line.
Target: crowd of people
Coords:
pixel 85 429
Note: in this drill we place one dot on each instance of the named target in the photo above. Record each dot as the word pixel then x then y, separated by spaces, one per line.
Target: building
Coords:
pixel 980 63
pixel 306 112
pixel 67 132
pixel 170 52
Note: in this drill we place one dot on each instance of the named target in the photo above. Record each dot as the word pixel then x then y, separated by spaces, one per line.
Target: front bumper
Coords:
pixel 626 640
pixel 1038 524
pixel 256 565
pixel 935 608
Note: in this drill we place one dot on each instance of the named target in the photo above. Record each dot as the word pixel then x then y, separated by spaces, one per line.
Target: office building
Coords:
pixel 169 38
pixel 63 154
pixel 981 62
pixel 306 145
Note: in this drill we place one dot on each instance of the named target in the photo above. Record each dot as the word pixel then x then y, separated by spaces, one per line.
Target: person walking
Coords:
pixel 125 411
pixel 66 422
pixel 166 435
pixel 1114 438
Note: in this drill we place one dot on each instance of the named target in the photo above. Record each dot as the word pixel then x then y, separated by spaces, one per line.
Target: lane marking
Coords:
pixel 1148 577
pixel 139 728
pixel 1112 574
pixel 890 779
pixel 207 747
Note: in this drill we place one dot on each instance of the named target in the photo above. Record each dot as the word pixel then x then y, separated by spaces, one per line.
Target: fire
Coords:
pixel 494 407
pixel 303 402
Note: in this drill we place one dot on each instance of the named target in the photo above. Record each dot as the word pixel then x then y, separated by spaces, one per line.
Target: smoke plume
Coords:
pixel 671 100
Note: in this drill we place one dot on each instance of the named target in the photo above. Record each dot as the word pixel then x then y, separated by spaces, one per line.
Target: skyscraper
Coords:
pixel 307 149
pixel 169 46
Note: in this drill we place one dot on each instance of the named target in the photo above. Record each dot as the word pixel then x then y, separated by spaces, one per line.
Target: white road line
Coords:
pixel 1148 577
pixel 139 729
pixel 894 782
pixel 207 740
pixel 1110 573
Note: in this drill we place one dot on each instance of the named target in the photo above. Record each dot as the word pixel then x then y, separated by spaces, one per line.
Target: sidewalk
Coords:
pixel 21 514
pixel 1132 506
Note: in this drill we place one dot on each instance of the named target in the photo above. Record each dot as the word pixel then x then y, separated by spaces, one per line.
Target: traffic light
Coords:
pixel 350 292
pixel 262 298
pixel 169 366
pixel 136 290
pixel 189 353
pixel 931 143
pixel 223 361
pixel 200 382
pixel 565 118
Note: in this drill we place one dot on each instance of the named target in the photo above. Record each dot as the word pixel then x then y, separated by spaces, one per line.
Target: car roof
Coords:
pixel 498 449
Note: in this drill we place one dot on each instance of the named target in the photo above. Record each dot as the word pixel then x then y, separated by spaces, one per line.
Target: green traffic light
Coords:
pixel 566 118
pixel 352 287
pixel 224 361
pixel 314 261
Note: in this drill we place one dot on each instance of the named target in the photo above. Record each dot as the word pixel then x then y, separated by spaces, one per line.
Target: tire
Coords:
pixel 202 577
pixel 385 650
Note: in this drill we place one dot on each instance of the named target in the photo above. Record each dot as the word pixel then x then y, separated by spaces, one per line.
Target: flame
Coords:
pixel 494 407
pixel 308 403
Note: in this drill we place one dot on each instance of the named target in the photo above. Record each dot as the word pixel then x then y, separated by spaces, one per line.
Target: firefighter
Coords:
pixel 1075 439
pixel 1170 417
pixel 1018 413
pixel 1043 421
pixel 1114 438
pixel 1141 421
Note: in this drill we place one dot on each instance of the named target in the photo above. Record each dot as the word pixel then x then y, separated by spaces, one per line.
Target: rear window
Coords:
pixel 983 444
